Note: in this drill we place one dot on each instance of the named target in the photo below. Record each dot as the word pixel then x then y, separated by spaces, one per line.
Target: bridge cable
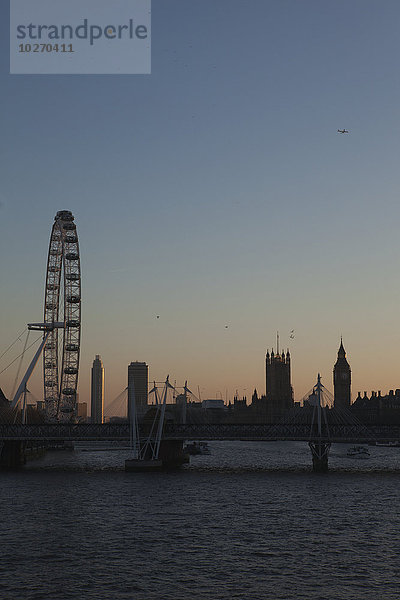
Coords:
pixel 14 342
pixel 118 404
pixel 19 356
pixel 19 366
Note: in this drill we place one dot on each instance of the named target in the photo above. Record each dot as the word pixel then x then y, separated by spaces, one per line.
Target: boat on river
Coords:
pixel 196 448
pixel 358 452
pixel 395 444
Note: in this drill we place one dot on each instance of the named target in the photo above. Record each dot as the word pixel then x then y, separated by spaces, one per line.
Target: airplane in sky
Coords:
pixel 342 131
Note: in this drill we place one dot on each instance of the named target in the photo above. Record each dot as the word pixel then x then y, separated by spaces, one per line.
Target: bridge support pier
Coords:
pixel 320 452
pixel 171 456
pixel 12 454
pixel 35 449
pixel 171 453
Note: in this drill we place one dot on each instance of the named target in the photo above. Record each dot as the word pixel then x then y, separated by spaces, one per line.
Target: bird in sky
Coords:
pixel 343 131
pixel 292 334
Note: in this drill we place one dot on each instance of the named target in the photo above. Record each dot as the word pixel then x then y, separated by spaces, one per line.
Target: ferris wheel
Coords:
pixel 62 302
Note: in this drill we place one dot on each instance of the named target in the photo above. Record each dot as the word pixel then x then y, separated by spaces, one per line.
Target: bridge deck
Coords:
pixel 257 432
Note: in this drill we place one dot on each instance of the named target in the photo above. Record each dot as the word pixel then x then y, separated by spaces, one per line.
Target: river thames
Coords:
pixel 249 521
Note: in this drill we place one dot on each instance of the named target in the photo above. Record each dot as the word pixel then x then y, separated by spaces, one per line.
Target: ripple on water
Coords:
pixel 232 525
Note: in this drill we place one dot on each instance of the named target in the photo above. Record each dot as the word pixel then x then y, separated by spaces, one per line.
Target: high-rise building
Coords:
pixel 138 384
pixel 97 396
pixel 81 411
pixel 341 380
pixel 279 391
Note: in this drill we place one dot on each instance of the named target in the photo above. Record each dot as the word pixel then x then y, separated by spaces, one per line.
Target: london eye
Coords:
pixel 62 302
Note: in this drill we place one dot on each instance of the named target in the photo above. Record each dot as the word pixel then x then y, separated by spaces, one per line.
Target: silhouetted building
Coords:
pixel 258 407
pixel 181 408
pixel 81 412
pixel 239 403
pixel 97 396
pixel 6 414
pixel 3 399
pixel 138 384
pixel 341 380
pixel 279 391
pixel 378 409
pixel 213 404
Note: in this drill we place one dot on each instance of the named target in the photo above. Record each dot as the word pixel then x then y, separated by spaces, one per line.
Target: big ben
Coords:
pixel 341 380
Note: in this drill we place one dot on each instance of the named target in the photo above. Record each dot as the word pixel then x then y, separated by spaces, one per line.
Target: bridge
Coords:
pixel 14 438
pixel 350 434
pixel 158 440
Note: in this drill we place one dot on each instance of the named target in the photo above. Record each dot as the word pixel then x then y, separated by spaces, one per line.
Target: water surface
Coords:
pixel 250 521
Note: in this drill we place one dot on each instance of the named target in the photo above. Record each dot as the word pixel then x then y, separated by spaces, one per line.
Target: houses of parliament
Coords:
pixel 274 405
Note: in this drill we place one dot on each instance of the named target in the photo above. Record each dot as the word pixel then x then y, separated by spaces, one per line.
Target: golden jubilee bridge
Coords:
pixel 318 424
pixel 201 431
pixel 16 437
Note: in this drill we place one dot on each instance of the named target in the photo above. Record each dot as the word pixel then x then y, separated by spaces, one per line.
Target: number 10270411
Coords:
pixel 46 48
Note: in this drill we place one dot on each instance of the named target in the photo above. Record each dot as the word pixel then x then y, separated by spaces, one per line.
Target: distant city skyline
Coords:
pixel 214 199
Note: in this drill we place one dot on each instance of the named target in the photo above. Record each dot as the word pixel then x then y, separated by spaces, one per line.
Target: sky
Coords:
pixel 217 194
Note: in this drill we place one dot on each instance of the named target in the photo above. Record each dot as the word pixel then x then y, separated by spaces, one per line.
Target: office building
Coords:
pixel 97 396
pixel 138 382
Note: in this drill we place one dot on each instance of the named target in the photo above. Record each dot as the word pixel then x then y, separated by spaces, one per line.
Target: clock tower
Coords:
pixel 341 380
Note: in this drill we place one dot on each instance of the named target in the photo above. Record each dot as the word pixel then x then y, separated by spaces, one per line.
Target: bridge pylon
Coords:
pixel 154 452
pixel 319 434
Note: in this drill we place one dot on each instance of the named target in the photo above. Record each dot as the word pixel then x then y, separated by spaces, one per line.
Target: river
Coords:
pixel 249 521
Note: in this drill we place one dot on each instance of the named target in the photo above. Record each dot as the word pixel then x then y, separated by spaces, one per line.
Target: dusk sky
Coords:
pixel 217 192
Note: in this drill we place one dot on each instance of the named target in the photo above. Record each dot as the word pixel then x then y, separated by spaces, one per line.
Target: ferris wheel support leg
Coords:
pixel 24 407
pixel 29 371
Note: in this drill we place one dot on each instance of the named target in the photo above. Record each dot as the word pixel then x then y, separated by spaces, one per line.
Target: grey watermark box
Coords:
pixel 80 37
